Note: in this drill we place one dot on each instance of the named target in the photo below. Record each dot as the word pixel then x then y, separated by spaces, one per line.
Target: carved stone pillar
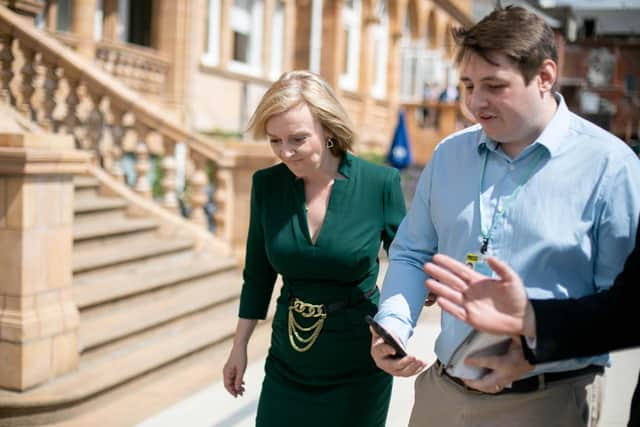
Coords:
pixel 110 24
pixel 38 317
pixel 82 13
pixel 233 191
pixel 331 61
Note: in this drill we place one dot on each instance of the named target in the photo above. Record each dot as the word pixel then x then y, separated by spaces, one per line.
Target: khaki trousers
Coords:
pixel 440 402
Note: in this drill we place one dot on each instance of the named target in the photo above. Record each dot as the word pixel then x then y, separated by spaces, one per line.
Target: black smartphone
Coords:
pixel 387 337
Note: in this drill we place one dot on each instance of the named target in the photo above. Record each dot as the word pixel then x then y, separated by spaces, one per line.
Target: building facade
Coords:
pixel 209 61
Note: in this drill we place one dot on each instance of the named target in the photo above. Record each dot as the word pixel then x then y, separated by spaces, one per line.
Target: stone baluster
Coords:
pixel 113 159
pixel 170 201
pixel 110 61
pixel 198 182
pixel 95 122
pixel 6 57
pixel 27 87
pixel 221 197
pixel 71 120
pixel 50 86
pixel 143 165
pixel 117 64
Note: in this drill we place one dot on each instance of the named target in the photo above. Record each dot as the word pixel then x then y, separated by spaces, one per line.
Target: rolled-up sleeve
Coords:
pixel 403 291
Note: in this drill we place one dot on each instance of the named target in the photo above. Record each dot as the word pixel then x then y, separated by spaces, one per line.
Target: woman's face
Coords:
pixel 298 139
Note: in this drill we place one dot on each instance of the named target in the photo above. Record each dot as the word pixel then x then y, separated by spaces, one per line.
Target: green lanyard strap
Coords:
pixel 499 212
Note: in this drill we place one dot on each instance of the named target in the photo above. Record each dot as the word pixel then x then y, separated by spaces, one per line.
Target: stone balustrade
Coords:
pixel 142 69
pixel 64 93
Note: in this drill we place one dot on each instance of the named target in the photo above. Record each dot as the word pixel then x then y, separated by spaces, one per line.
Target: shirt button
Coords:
pixel 512 167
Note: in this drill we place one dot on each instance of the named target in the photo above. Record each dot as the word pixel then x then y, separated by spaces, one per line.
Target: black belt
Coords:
pixel 341 305
pixel 534 383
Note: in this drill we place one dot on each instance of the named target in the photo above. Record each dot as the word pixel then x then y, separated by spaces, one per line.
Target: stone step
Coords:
pixel 96 228
pixel 148 372
pixel 85 186
pixel 85 181
pixel 93 289
pixel 88 205
pixel 96 375
pixel 152 393
pixel 126 252
pixel 109 322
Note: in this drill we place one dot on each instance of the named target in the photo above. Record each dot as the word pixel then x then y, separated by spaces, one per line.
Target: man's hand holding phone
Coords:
pixel 389 355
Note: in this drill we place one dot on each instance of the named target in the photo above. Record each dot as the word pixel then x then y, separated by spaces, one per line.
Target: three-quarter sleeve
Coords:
pixel 393 206
pixel 259 276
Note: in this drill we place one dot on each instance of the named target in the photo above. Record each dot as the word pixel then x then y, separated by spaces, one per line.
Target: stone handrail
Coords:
pixel 64 93
pixel 140 68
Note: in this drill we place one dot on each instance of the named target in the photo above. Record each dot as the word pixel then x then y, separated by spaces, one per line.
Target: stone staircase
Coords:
pixel 148 295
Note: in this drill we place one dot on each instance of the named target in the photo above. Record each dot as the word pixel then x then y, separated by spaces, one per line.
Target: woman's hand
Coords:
pixel 233 371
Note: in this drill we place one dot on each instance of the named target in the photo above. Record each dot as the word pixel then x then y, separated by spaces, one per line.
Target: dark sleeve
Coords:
pixel 259 276
pixel 394 208
pixel 593 324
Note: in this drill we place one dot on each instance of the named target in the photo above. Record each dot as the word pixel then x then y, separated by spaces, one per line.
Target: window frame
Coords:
pixel 351 24
pixel 254 65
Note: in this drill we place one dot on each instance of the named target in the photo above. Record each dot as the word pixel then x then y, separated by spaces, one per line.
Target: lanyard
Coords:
pixel 499 212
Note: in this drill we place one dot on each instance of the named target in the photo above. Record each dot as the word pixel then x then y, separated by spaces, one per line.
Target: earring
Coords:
pixel 330 142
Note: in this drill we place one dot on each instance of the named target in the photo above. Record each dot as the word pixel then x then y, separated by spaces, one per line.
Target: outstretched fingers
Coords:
pixel 502 270
pixel 450 272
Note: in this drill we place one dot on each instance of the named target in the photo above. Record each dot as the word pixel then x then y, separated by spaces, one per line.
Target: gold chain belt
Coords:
pixel 316 311
pixel 305 310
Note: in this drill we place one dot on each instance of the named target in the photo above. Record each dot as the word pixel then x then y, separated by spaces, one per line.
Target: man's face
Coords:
pixel 508 110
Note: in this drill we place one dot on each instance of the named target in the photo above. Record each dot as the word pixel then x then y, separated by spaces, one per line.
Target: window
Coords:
pixel 246 28
pixel 97 21
pixel 211 55
pixel 123 20
pixel 420 67
pixel 351 27
pixel 316 36
pixel 63 16
pixel 630 85
pixel 277 41
pixel 380 51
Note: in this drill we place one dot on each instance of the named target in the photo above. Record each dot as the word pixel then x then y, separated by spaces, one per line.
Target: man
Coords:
pixel 559 329
pixel 533 184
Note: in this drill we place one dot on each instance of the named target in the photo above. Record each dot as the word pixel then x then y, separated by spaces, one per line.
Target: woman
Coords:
pixel 317 219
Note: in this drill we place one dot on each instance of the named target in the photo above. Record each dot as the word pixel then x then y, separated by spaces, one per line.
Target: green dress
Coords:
pixel 335 382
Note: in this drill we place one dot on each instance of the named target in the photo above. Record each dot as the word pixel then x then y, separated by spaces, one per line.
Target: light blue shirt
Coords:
pixel 567 232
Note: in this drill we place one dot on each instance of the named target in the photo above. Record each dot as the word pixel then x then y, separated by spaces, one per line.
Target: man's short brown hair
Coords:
pixel 523 36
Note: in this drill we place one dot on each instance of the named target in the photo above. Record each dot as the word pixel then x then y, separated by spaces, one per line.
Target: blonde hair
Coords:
pixel 296 87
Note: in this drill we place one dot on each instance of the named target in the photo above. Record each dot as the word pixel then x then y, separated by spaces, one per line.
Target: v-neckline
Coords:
pixel 337 184
pixel 303 211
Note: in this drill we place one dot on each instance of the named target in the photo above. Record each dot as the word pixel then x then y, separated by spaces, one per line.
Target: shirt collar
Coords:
pixel 551 137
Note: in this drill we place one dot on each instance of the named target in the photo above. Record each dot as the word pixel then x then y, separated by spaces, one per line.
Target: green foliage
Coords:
pixel 157 175
pixel 373 157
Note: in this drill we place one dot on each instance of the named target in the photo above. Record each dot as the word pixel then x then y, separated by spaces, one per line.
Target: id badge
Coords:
pixel 479 264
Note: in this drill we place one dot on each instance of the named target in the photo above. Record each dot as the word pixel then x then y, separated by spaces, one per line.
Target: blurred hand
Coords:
pixel 499 306
pixel 382 355
pixel 505 369
pixel 233 371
